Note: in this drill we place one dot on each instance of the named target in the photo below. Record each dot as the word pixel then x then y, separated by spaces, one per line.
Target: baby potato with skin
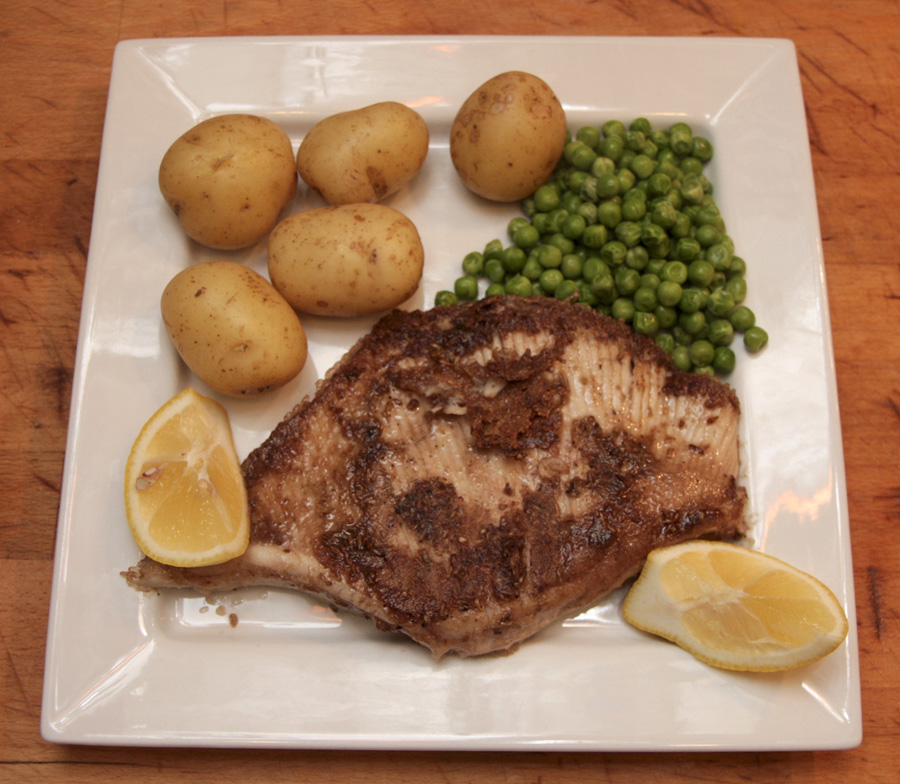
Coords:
pixel 233 329
pixel 363 155
pixel 349 260
pixel 228 178
pixel 508 136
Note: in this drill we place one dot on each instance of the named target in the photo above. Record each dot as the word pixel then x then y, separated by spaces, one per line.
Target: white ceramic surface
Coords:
pixel 124 668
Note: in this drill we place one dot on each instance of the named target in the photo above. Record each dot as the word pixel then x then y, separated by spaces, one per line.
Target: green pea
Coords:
pixel 609 213
pixel 691 165
pixel 494 270
pixel 645 323
pixel 574 227
pixel 627 280
pixel 635 140
pixel 645 300
pixel 666 315
pixel 650 280
pixel 737 288
pixel 681 229
pixel 585 295
pixel 519 286
pixel 707 235
pixel 612 147
pixel 513 259
pixel 445 298
pixel 588 135
pixel 555 221
pixel 724 360
pixel 675 271
pixel 626 179
pixel 541 222
pixel 595 236
pixel 664 215
pixel 613 128
pixel 473 263
pixel 665 341
pixel 681 357
pixel 637 258
pixel 628 233
pixel 550 279
pixel 720 332
pixel 660 137
pixel 607 186
pixel 526 237
pixel 738 267
pixel 692 323
pixel 642 166
pixel 669 293
pixel 603 166
pixel 466 287
pixel 516 223
pixel 636 193
pixel 700 273
pixel 682 337
pixel 565 290
pixel 719 256
pixel 755 339
pixel 692 189
pixel 576 179
pixel 702 352
pixel 692 300
pixel 701 149
pixel 571 266
pixel 576 152
pixel 641 124
pixel 493 249
pixel 494 290
pixel 547 198
pixel 603 286
pixel 588 211
pixel 589 190
pixel 623 309
pixel 742 318
pixel 561 241
pixel 633 209
pixel 613 253
pixel 681 138
pixel 548 256
pixel 687 249
pixel 720 303
pixel 532 269
pixel 593 266
pixel 658 183
pixel 654 265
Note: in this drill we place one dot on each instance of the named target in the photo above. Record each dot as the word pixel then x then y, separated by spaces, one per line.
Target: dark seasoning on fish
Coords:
pixel 471 474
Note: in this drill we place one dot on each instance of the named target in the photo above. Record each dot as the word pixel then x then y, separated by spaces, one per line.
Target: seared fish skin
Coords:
pixel 470 474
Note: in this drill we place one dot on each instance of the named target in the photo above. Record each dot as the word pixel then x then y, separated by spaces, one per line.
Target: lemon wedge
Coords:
pixel 735 608
pixel 185 498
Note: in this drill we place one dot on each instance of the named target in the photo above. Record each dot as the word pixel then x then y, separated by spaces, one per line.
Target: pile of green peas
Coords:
pixel 628 225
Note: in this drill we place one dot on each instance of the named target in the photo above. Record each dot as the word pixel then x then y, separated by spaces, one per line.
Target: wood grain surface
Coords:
pixel 55 62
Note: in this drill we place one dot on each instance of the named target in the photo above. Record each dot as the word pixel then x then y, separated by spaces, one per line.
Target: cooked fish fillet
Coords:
pixel 470 474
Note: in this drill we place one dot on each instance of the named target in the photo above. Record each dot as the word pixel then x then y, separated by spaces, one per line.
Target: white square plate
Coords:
pixel 125 668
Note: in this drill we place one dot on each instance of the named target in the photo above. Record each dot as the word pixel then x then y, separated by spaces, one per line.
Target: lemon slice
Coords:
pixel 185 497
pixel 735 608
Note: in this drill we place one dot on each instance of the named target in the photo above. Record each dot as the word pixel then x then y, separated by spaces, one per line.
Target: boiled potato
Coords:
pixel 363 155
pixel 233 329
pixel 228 178
pixel 349 260
pixel 508 136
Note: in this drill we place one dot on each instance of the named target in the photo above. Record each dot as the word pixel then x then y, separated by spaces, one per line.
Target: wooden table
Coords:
pixel 54 67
